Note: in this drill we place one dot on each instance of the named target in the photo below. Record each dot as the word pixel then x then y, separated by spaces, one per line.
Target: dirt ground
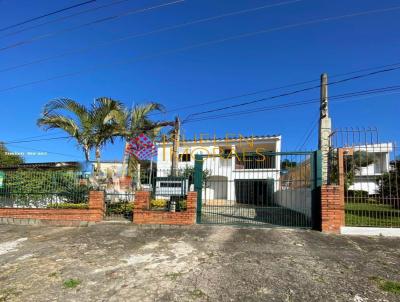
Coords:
pixel 109 262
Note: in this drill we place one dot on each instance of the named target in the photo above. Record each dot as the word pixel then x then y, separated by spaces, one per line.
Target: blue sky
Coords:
pixel 202 74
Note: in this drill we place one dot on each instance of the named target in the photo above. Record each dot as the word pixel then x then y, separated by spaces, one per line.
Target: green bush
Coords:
pixel 120 207
pixel 68 206
pixel 182 205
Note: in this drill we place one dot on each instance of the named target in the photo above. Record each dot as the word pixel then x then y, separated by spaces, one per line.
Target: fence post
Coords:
pixel 316 170
pixel 198 183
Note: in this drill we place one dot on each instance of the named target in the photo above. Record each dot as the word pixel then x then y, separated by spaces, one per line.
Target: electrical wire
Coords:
pixel 293 92
pixel 39 150
pixel 137 35
pixel 35 140
pixel 97 21
pixel 63 18
pixel 300 103
pixel 47 15
pixel 271 89
pixel 194 46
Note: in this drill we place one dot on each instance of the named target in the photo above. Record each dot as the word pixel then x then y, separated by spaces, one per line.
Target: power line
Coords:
pixel 36 136
pixel 308 134
pixel 39 150
pixel 63 18
pixel 97 21
pixel 194 46
pixel 337 98
pixel 300 103
pixel 35 140
pixel 293 92
pixel 272 89
pixel 137 35
pixel 47 15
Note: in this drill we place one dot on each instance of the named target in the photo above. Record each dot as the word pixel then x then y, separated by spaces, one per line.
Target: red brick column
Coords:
pixel 332 208
pixel 96 202
pixel 142 200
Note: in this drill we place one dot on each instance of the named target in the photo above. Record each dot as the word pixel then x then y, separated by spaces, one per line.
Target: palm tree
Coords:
pixel 104 113
pixel 92 127
pixel 78 123
pixel 136 121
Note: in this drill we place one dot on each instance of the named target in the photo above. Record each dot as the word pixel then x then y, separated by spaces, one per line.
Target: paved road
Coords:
pixel 127 263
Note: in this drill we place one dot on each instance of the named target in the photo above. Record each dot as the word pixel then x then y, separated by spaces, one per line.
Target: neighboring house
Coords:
pixel 109 168
pixel 238 169
pixel 367 178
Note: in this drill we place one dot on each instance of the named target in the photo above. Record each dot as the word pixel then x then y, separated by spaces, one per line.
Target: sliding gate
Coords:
pixel 269 189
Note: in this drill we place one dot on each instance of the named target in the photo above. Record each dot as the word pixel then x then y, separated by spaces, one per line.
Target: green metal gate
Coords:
pixel 268 189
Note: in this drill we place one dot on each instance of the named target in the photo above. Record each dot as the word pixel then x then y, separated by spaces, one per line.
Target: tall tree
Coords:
pixel 104 112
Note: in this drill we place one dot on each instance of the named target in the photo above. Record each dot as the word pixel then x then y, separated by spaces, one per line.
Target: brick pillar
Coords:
pixel 96 200
pixel 96 203
pixel 142 200
pixel 332 208
pixel 191 201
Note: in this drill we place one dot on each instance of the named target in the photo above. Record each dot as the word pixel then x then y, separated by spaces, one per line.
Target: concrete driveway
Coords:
pixel 126 263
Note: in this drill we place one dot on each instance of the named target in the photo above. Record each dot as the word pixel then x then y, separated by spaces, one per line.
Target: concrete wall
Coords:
pixel 298 200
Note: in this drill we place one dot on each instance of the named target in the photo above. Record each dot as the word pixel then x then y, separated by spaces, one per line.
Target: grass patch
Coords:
pixel 71 283
pixel 387 285
pixel 371 214
pixel 54 274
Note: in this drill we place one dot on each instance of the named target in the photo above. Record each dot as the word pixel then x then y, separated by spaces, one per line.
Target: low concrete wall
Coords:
pixel 298 200
pixel 72 217
pixel 370 231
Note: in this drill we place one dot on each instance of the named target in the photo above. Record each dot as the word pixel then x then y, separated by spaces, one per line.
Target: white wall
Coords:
pixel 298 200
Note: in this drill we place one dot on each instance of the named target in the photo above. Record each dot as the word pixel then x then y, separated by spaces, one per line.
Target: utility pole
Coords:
pixel 175 146
pixel 325 128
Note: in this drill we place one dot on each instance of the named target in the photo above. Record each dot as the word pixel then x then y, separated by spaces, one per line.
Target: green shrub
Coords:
pixel 182 205
pixel 68 206
pixel 120 207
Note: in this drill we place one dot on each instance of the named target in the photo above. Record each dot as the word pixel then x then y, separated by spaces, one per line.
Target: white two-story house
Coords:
pixel 240 169
pixel 367 178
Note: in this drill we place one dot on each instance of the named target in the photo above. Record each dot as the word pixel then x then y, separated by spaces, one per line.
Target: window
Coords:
pixel 184 157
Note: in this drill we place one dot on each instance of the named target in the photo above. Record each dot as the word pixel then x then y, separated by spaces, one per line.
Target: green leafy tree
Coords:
pixel 7 159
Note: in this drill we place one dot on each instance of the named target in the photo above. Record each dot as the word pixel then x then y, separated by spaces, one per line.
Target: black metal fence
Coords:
pixel 369 170
pixel 119 205
pixel 271 189
pixel 168 188
pixel 43 189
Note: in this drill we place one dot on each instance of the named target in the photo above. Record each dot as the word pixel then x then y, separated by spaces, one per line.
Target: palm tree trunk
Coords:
pixel 98 164
pixel 86 150
pixel 124 160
